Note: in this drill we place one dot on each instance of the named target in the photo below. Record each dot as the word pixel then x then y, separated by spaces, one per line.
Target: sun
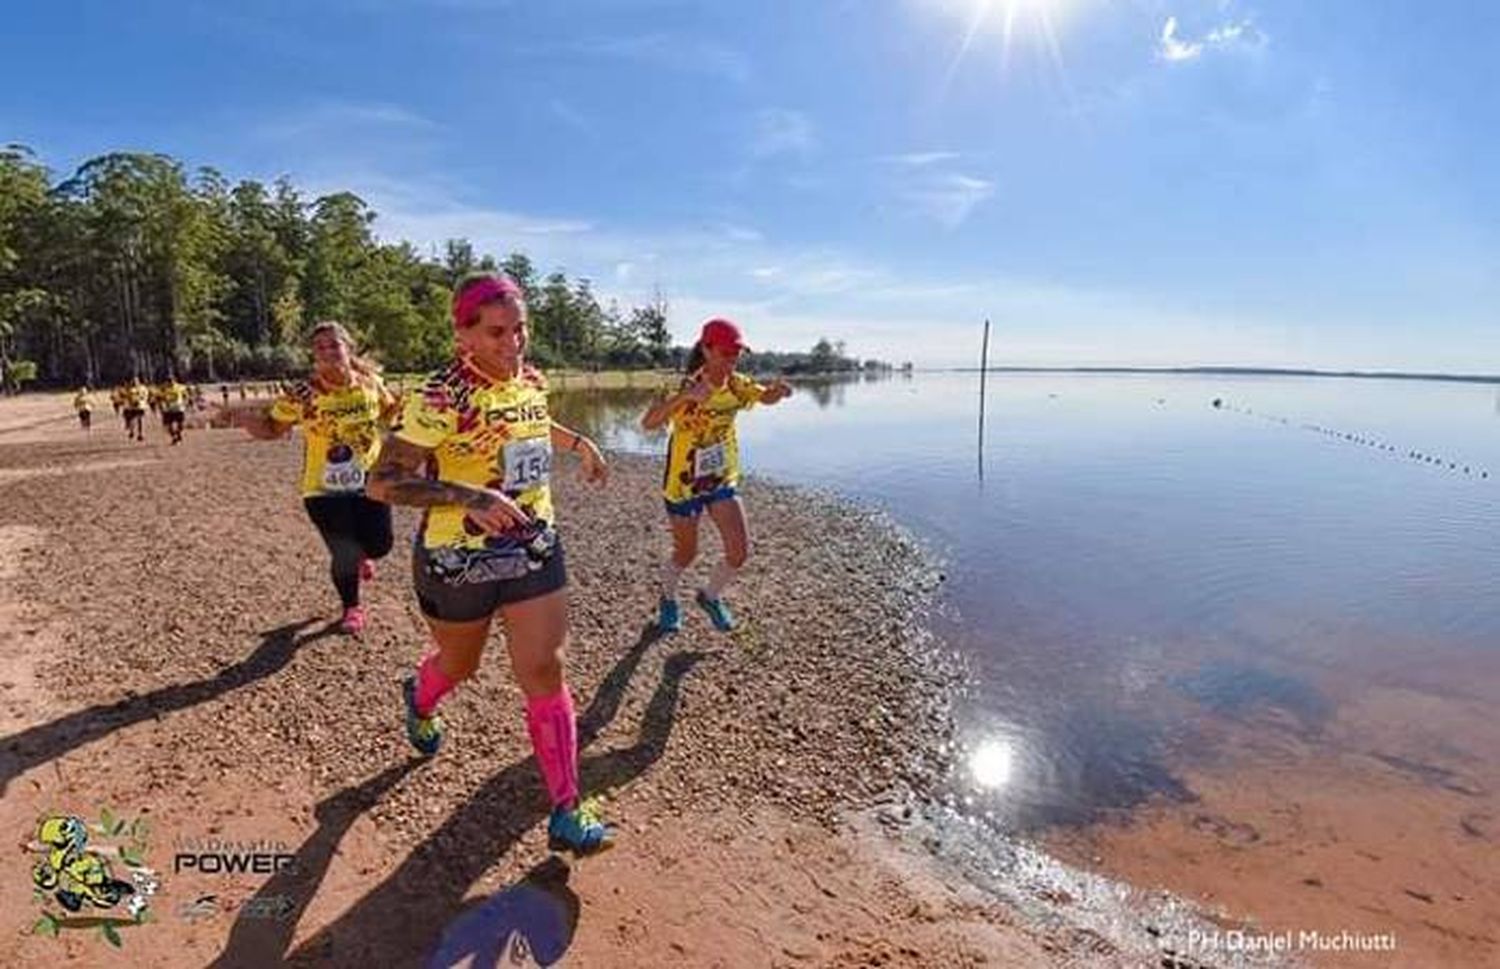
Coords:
pixel 1034 21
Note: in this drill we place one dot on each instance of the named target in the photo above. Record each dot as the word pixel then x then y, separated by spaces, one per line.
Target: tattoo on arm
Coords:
pixel 397 479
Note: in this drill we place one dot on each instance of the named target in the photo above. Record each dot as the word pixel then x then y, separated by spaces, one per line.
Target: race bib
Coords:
pixel 710 460
pixel 528 463
pixel 345 476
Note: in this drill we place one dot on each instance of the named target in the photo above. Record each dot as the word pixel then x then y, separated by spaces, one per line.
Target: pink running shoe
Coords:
pixel 366 570
pixel 353 622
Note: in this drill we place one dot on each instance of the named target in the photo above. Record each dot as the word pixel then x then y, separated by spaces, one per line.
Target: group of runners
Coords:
pixel 473 447
pixel 171 399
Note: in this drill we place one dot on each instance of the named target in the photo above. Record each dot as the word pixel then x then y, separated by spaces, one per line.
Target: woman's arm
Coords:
pixel 696 391
pixel 256 421
pixel 776 391
pixel 398 479
pixel 567 439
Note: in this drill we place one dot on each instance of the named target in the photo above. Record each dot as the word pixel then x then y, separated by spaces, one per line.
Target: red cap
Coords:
pixel 722 335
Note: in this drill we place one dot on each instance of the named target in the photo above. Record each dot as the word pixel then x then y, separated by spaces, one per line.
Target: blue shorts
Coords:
pixel 693 507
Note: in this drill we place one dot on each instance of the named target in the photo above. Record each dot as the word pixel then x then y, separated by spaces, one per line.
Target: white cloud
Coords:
pixel 1172 49
pixel 674 53
pixel 789 296
pixel 740 233
pixel 341 117
pixel 1243 36
pixel 919 159
pixel 572 117
pixel 948 198
pixel 778 131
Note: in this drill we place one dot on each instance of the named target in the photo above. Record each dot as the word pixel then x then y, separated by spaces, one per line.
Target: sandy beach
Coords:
pixel 170 655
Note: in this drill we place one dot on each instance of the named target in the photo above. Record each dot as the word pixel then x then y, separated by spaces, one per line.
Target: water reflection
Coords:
pixel 1141 562
pixel 992 763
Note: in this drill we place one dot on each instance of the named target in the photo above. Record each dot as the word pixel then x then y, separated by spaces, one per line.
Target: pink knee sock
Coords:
pixel 554 736
pixel 432 685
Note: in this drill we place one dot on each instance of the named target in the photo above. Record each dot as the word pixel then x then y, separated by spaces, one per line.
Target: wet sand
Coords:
pixel 1379 818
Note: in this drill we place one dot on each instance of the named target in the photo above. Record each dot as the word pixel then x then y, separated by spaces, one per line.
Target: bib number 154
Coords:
pixel 528 463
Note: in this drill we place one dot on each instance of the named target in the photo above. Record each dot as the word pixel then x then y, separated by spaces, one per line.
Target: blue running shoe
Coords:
pixel 671 616
pixel 580 830
pixel 425 733
pixel 718 612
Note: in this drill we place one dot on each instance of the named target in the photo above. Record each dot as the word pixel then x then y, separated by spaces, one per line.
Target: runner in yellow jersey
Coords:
pixel 136 398
pixel 703 466
pixel 174 401
pixel 474 449
pixel 341 409
pixel 83 403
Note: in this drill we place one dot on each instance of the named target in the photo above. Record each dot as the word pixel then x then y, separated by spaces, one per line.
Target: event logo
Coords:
pixel 77 877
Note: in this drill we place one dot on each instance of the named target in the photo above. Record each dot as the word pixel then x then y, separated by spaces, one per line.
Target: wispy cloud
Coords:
pixel 948 198
pixel 741 233
pixel 918 159
pixel 338 117
pixel 777 131
pixel 572 117
pixel 671 52
pixel 1172 49
pixel 1175 48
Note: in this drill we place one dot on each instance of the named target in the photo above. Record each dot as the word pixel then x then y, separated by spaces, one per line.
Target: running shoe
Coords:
pixel 671 616
pixel 366 570
pixel 425 733
pixel 580 830
pixel 718 612
pixel 353 622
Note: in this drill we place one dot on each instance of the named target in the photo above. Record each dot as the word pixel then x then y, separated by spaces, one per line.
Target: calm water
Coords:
pixel 1134 559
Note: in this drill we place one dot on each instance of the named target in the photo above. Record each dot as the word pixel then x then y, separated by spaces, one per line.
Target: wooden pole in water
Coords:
pixel 984 366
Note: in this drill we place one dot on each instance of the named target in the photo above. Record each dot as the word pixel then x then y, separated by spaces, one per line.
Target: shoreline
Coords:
pixel 730 762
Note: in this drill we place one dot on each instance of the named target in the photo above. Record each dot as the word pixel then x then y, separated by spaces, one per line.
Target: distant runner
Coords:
pixel 703 467
pixel 83 402
pixel 135 400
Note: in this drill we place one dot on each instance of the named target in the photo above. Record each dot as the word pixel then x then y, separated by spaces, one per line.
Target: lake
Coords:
pixel 1173 609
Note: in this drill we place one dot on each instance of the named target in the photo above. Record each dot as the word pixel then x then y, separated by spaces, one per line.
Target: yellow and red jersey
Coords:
pixel 341 430
pixel 486 432
pixel 703 452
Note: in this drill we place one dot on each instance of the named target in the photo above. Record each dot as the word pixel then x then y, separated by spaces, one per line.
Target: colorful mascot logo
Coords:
pixel 77 882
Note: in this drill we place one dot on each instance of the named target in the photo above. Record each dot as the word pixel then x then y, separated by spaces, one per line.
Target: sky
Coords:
pixel 1110 182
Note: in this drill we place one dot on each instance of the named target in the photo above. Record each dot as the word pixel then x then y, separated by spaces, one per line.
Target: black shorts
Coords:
pixel 464 598
pixel 134 413
pixel 173 416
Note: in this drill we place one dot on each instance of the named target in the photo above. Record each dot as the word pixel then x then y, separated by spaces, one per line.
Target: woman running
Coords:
pixel 136 397
pixel 83 402
pixel 488 545
pixel 340 409
pixel 174 398
pixel 703 466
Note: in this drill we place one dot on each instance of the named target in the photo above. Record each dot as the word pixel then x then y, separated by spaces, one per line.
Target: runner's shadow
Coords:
pixel 44 742
pixel 399 921
pixel 529 923
pixel 265 923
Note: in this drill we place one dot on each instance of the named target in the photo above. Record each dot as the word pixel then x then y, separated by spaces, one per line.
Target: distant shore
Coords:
pixel 1240 372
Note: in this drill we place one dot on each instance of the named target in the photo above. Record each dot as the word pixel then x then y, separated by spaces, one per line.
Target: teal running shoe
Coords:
pixel 670 620
pixel 718 612
pixel 425 733
pixel 579 830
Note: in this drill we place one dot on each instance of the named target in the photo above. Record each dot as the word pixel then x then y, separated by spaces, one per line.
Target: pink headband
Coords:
pixel 487 290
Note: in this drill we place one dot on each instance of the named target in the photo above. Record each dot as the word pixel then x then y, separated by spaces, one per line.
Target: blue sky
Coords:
pixel 1128 182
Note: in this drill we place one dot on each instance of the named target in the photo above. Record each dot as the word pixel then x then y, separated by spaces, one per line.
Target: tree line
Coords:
pixel 134 266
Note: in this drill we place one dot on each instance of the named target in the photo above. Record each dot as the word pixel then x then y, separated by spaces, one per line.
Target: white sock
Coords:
pixel 722 575
pixel 671 572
